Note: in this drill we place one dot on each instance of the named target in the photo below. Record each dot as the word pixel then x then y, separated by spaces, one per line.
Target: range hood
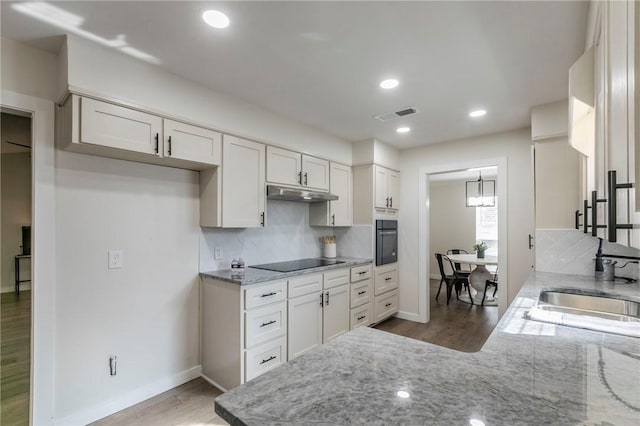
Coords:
pixel 298 194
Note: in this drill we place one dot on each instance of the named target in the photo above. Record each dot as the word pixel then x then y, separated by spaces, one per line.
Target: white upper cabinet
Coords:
pixel 284 167
pixel 192 143
pixel 291 168
pixel 118 127
pixel 341 209
pixel 315 173
pixel 106 129
pixel 339 212
pixel 243 190
pixel 386 188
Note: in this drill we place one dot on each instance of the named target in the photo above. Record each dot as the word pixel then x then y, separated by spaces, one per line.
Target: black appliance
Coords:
pixel 296 265
pixel 386 242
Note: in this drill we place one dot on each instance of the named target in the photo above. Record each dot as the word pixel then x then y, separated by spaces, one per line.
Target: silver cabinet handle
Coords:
pixel 333 219
pixel 306 181
pixel 169 149
pixel 273 293
pixel 264 324
pixel 387 279
pixel 390 201
pixel 362 292
pixel 386 305
pixel 387 202
pixel 321 299
pixel 262 219
pixel 157 143
pixel 327 301
pixel 362 317
pixel 300 177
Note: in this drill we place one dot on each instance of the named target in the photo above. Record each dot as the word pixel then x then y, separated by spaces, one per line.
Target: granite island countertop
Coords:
pixel 527 373
pixel 253 276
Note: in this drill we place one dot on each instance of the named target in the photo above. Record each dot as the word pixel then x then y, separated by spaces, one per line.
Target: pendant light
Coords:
pixel 480 192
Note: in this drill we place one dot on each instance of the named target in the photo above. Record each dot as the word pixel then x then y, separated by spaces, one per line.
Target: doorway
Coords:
pixel 15 266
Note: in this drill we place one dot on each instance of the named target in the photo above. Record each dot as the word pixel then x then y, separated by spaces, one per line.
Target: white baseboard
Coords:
pixel 410 316
pixel 213 383
pixel 128 399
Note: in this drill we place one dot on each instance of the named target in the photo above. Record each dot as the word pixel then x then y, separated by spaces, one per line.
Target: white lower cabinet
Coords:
pixel 305 323
pixel 361 300
pixel 244 330
pixel 385 291
pixel 318 309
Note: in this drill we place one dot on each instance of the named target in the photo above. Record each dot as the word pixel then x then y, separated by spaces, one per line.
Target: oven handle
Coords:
pixel 387 232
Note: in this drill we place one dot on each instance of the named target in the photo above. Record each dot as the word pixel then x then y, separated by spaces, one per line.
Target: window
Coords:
pixel 487 227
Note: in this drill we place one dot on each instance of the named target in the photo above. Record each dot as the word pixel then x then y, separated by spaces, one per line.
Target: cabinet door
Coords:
pixel 191 143
pixel 114 126
pixel 315 173
pixel 283 167
pixel 394 199
pixel 341 186
pixel 243 190
pixel 381 187
pixel 305 323
pixel 336 312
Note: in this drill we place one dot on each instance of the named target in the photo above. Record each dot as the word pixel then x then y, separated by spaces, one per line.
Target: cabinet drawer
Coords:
pixel 386 305
pixel 386 279
pixel 266 323
pixel 265 294
pixel 336 278
pixel 360 292
pixel 305 284
pixel 362 316
pixel 265 357
pixel 359 273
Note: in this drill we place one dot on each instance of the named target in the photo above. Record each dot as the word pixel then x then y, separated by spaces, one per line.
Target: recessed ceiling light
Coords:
pixel 403 129
pixel 477 113
pixel 476 422
pixel 216 19
pixel 403 394
pixel 389 83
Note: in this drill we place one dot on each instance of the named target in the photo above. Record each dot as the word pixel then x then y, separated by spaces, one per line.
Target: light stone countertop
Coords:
pixel 253 276
pixel 527 373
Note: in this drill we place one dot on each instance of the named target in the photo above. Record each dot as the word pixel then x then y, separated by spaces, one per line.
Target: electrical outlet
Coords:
pixel 218 253
pixel 116 259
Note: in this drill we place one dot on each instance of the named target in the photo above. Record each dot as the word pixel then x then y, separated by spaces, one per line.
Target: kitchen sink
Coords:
pixel 591 310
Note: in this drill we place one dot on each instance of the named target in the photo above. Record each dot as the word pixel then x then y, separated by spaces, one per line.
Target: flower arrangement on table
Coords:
pixel 480 248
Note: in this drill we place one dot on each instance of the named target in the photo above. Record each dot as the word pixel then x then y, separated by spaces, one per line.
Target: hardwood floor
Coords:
pixel 15 357
pixel 458 326
pixel 189 404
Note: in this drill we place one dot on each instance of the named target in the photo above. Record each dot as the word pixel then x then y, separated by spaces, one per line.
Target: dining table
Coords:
pixel 479 275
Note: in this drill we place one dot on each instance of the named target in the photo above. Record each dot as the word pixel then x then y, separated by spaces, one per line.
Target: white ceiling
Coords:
pixel 320 62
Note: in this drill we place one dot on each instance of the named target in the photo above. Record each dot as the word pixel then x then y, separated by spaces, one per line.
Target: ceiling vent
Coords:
pixel 400 113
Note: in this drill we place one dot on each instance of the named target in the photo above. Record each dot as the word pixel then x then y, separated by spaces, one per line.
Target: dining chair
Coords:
pixel 458 267
pixel 490 283
pixel 452 281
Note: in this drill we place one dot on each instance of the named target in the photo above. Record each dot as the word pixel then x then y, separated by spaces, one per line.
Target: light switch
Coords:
pixel 116 259
pixel 218 254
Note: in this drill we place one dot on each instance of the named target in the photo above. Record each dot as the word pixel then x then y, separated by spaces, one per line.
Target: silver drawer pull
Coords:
pixel 362 317
pixel 264 361
pixel 386 305
pixel 363 272
pixel 264 324
pixel 273 293
pixel 387 279
pixel 362 292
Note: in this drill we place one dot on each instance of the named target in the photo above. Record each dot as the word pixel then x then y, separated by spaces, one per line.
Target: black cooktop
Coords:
pixel 297 265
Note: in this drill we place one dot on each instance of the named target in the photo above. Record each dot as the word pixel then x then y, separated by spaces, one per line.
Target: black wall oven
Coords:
pixel 386 242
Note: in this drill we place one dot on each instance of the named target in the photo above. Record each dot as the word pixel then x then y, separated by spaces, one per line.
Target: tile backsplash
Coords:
pixel 287 236
pixel 573 252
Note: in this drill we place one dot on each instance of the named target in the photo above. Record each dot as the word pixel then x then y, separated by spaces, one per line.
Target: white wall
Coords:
pixel 27 70
pixel 100 70
pixel 375 151
pixel 515 146
pixel 16 212
pixel 452 223
pixel 147 312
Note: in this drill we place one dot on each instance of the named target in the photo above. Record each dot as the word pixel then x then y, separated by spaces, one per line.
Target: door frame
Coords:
pixel 43 270
pixel 424 234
